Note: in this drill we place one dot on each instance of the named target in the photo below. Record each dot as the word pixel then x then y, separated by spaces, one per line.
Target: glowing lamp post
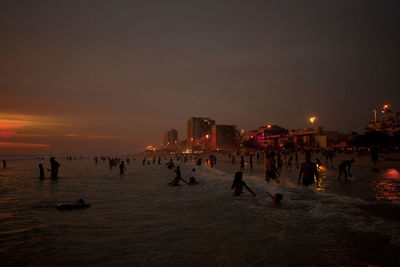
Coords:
pixel 312 120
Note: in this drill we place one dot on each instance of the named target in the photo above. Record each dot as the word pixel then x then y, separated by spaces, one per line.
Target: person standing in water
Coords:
pixel 41 171
pixel 175 181
pixel 271 169
pixel 343 170
pixel 4 164
pixel 251 163
pixel 122 168
pixel 375 155
pixel 238 184
pixel 308 171
pixel 289 163
pixel 54 166
pixel 241 163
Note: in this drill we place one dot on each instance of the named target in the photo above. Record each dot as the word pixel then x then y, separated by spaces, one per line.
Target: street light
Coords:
pixel 313 119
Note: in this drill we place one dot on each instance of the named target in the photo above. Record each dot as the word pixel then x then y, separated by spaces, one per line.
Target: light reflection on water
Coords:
pixel 387 186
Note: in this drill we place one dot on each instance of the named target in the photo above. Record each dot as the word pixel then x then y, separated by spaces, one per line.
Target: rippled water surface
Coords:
pixel 137 220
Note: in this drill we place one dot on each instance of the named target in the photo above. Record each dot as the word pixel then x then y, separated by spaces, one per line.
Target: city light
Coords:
pixel 207 136
pixel 150 148
pixel 269 126
pixel 385 108
pixel 313 119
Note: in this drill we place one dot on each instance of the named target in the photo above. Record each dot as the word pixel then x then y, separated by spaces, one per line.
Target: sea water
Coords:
pixel 136 219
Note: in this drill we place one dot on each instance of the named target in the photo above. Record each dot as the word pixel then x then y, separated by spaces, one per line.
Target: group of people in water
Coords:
pixel 54 167
pixel 308 170
pixel 308 173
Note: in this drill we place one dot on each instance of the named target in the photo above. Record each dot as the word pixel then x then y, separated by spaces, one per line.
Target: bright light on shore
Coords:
pixel 313 119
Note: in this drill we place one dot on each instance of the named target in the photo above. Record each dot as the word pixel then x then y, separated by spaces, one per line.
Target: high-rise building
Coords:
pixel 224 137
pixel 170 139
pixel 199 132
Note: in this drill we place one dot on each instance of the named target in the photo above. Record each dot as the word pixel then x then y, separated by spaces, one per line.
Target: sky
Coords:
pixel 112 76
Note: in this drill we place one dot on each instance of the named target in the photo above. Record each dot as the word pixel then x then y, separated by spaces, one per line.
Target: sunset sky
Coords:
pixel 113 76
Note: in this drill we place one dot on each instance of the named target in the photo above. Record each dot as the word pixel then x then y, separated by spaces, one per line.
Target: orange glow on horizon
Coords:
pixel 26 145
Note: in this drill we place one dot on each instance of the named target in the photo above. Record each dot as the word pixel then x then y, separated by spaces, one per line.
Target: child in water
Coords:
pixel 41 171
pixel 192 180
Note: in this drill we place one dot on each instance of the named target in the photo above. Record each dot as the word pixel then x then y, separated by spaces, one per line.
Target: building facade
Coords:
pixel 199 130
pixel 224 137
pixel 170 140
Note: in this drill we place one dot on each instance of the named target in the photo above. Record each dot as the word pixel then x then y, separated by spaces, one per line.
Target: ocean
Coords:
pixel 136 219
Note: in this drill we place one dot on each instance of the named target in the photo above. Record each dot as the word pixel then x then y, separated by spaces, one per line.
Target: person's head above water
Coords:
pixel 40 165
pixel 52 159
pixel 308 156
pixel 352 160
pixel 193 170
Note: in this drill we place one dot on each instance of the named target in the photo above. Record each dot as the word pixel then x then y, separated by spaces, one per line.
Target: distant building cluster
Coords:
pixel 170 141
pixel 388 122
pixel 203 134
pixel 275 137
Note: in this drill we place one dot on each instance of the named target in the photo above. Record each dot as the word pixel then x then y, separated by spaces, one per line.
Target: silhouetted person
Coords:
pixel 122 168
pixel 170 164
pixel 54 166
pixel 175 181
pixel 144 161
pixel 289 163
pixel 238 184
pixel 279 162
pixel 251 163
pixel 319 163
pixel 159 160
pixel 344 168
pixel 4 163
pixel 375 155
pixel 271 169
pixel 241 163
pixel 41 172
pixel 308 170
pixel 192 180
